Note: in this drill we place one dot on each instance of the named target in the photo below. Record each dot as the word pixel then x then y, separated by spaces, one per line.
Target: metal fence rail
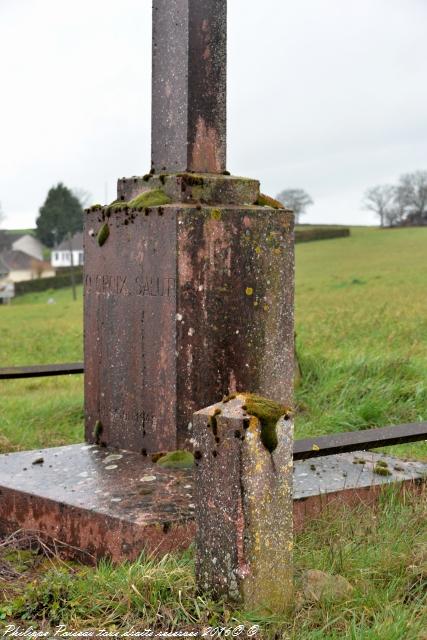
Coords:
pixel 41 371
pixel 359 440
pixel 303 449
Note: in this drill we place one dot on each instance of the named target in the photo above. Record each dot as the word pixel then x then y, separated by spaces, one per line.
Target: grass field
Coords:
pixel 45 411
pixel 382 552
pixel 362 345
pixel 361 319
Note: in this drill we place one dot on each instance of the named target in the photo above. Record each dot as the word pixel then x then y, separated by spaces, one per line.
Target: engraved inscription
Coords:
pixel 144 419
pixel 146 286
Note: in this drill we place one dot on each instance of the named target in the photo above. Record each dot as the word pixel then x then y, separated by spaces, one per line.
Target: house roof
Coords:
pixel 18 260
pixel 76 243
pixel 4 269
pixel 6 240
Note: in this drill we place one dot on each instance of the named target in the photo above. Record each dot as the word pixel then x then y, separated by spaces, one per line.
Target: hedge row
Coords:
pixel 320 233
pixel 43 284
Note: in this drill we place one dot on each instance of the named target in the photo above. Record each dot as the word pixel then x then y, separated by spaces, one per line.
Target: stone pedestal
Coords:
pixel 184 303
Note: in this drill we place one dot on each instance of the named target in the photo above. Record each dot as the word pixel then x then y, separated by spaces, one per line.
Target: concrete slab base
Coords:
pixel 103 503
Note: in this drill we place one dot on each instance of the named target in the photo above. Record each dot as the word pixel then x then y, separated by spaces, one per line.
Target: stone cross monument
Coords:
pixel 189 273
pixel 189 85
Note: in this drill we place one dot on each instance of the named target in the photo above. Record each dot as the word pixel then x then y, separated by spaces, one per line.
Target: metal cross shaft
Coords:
pixel 189 85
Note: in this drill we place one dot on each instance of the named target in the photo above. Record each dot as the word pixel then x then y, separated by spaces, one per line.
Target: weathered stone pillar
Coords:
pixel 188 297
pixel 244 502
pixel 189 85
pixel 189 273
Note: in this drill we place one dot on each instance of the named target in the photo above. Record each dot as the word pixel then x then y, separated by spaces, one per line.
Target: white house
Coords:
pixel 61 254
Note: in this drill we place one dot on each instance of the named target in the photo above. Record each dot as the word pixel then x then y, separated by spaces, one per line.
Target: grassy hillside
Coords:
pixel 362 342
pixel 361 310
pixel 361 318
pixel 45 411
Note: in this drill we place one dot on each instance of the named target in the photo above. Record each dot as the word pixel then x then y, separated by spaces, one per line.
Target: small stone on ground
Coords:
pixel 318 586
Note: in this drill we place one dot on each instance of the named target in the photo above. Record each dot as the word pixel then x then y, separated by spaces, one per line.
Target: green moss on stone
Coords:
pixel 103 234
pixel 266 201
pixel 177 460
pixel 192 179
pixel 117 205
pixel 382 463
pixel 359 461
pixel 381 470
pixel 268 413
pixel 97 431
pixel 153 198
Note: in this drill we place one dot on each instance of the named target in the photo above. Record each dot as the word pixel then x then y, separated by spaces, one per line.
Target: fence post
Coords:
pixel 244 502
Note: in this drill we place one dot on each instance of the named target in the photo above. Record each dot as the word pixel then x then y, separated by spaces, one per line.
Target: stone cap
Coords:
pixel 193 187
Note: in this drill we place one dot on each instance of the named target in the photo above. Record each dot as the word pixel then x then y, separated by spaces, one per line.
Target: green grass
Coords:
pixel 361 319
pixel 45 411
pixel 382 552
pixel 361 310
pixel 19 232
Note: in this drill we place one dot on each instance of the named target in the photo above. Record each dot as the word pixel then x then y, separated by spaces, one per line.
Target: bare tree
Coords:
pixel 412 194
pixel 296 199
pixel 396 214
pixel 380 200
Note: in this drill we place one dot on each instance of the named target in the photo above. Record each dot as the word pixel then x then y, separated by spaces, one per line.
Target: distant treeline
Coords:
pixel 400 205
pixel 310 234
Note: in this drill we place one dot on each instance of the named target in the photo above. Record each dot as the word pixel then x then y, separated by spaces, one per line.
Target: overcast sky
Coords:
pixel 327 95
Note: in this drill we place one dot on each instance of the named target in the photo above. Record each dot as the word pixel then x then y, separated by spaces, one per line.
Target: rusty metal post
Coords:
pixel 189 85
pixel 244 508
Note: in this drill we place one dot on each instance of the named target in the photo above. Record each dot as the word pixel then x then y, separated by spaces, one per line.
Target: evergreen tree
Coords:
pixel 61 214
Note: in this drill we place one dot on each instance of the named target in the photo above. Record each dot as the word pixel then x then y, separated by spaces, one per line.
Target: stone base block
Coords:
pixel 115 504
pixel 106 503
pixel 183 305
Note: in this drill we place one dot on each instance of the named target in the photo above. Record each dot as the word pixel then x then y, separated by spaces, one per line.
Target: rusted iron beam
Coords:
pixel 304 449
pixel 189 85
pixel 359 440
pixel 41 371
